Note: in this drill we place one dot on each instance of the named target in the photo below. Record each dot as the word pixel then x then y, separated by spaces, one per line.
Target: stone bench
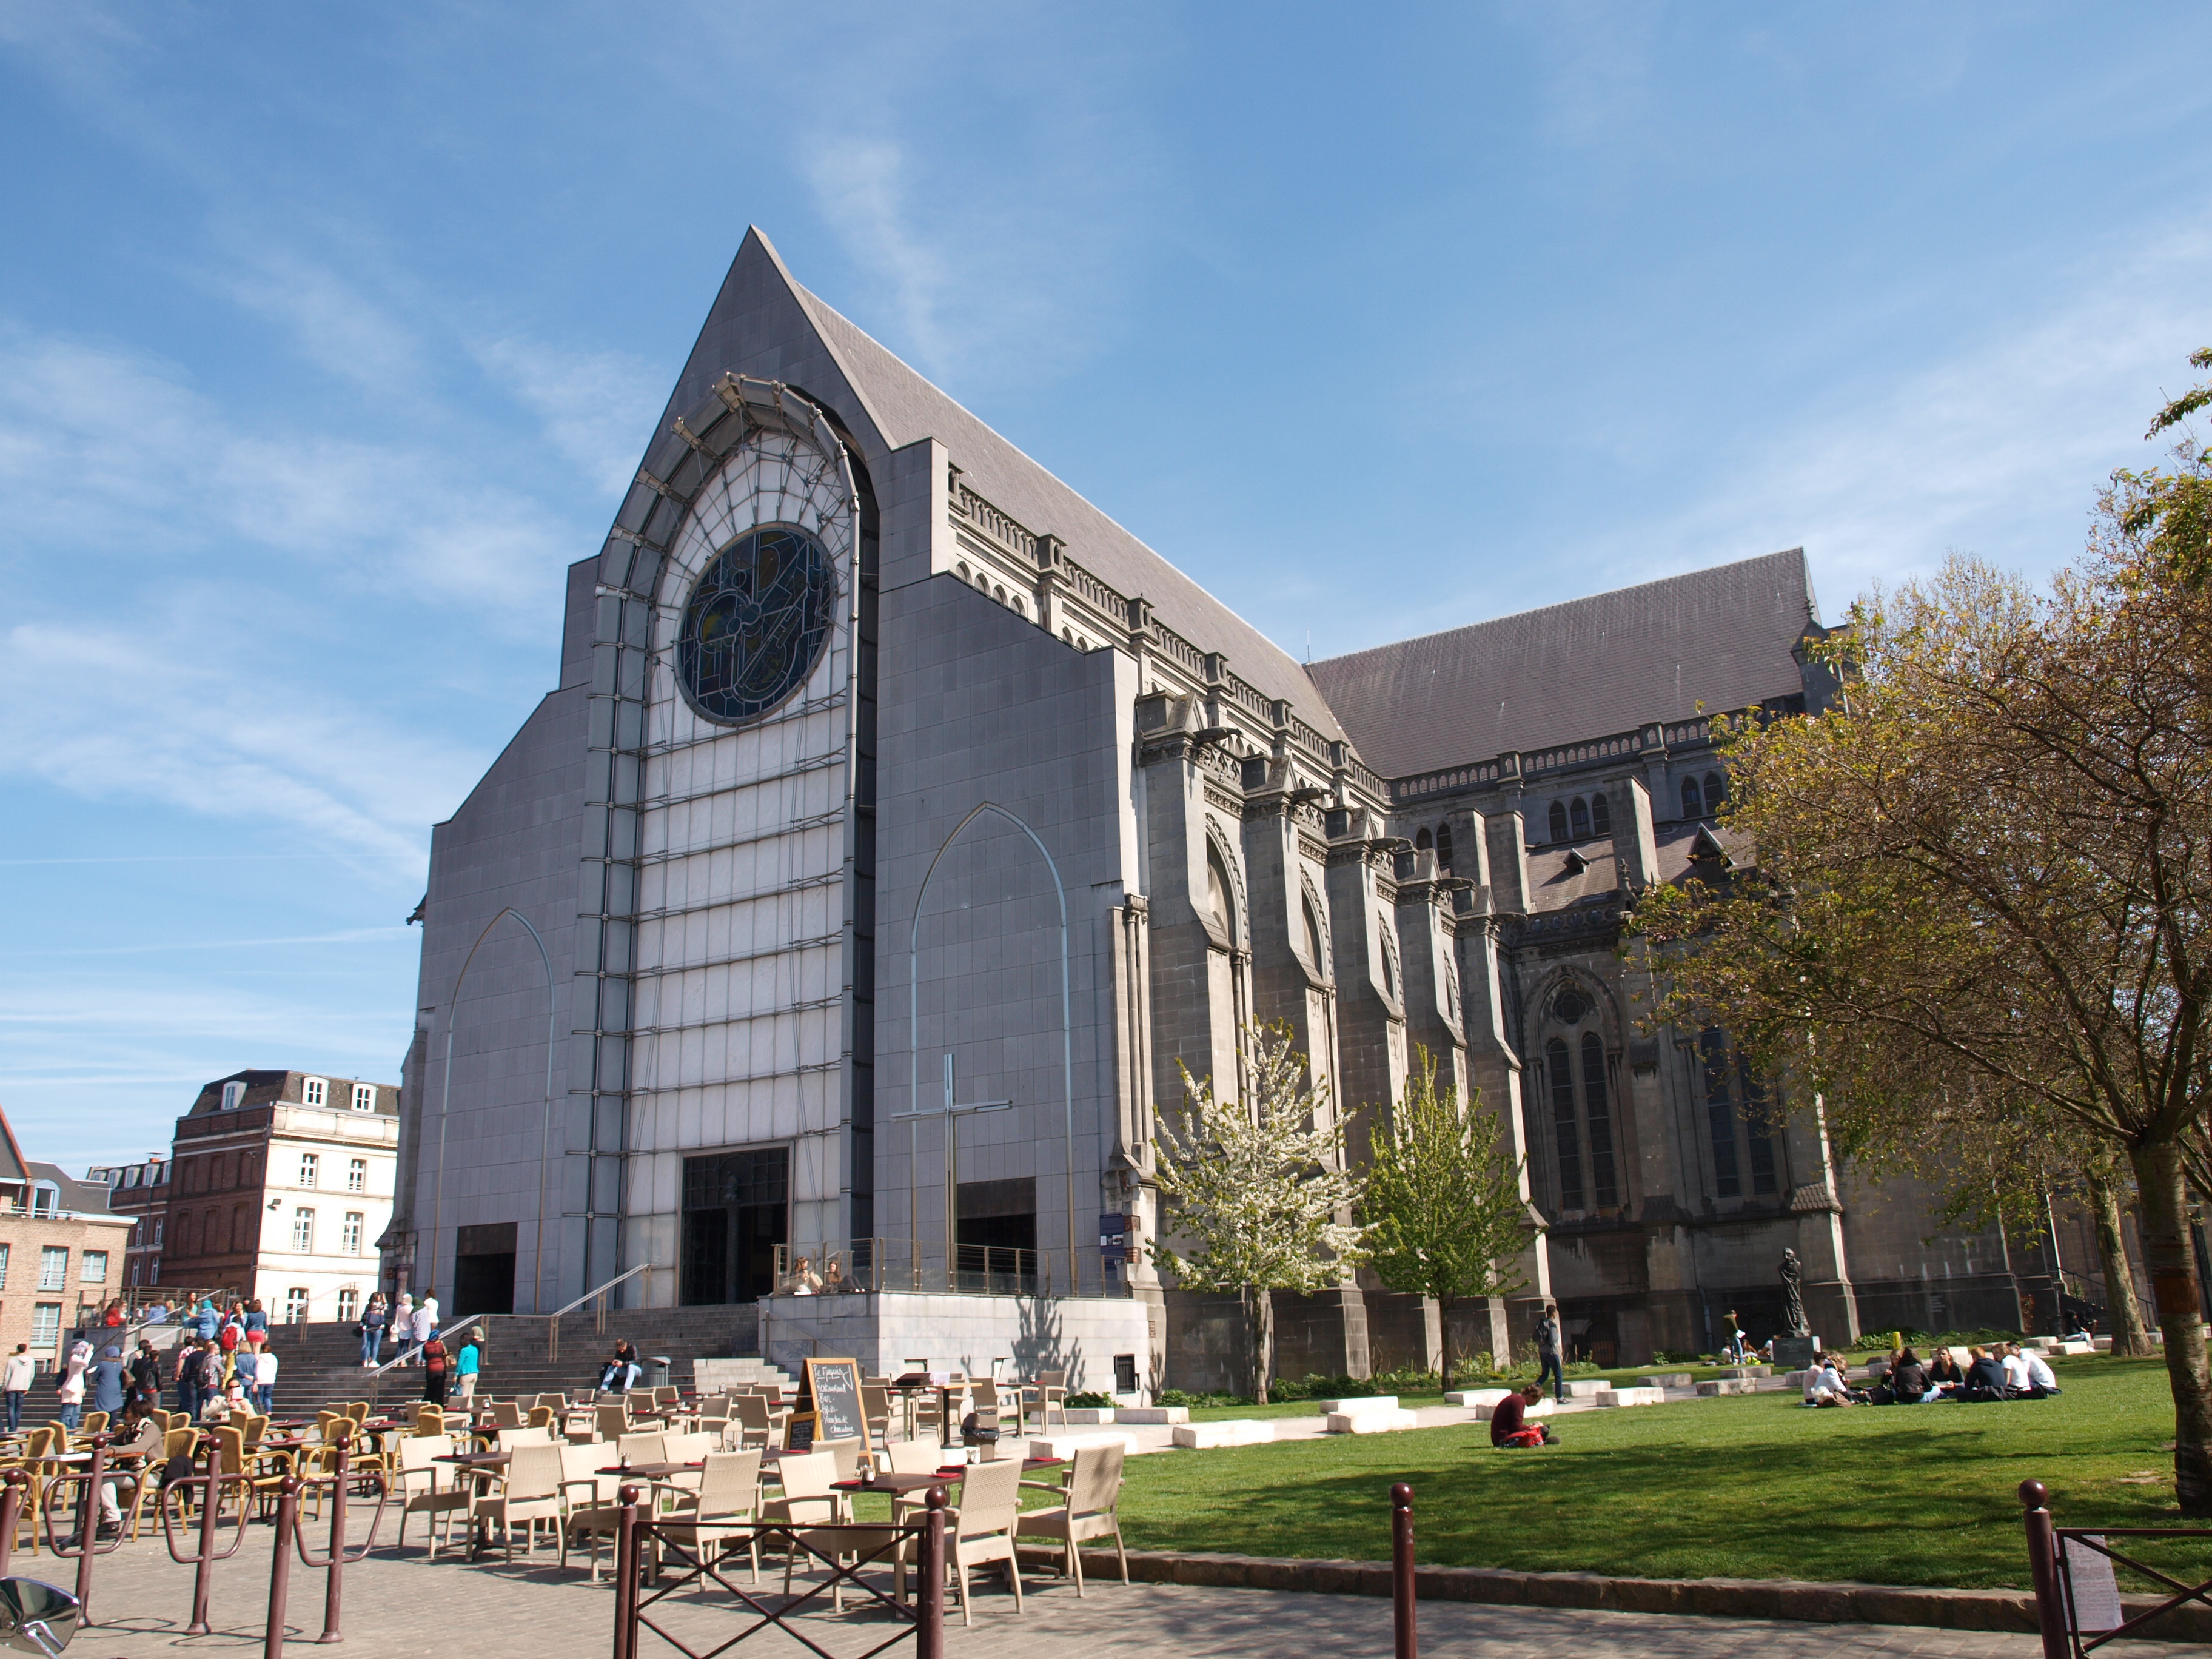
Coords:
pixel 1666 1380
pixel 1129 1414
pixel 1721 1385
pixel 1237 1431
pixel 1477 1397
pixel 1631 1396
pixel 1090 1416
pixel 1372 1422
pixel 1372 1402
pixel 1543 1407
pixel 1747 1370
pixel 1060 1447
pixel 1586 1388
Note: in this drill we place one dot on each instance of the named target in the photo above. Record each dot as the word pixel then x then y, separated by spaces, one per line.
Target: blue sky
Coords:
pixel 328 336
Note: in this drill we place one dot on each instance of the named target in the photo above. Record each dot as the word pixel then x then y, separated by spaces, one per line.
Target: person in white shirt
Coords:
pixel 15 1382
pixel 402 1325
pixel 2040 1375
pixel 1827 1386
pixel 71 1391
pixel 2015 1369
pixel 426 1319
pixel 265 1380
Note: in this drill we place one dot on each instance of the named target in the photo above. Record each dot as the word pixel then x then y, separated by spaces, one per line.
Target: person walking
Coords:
pixel 108 1386
pixel 146 1377
pixel 256 1318
pixel 468 1362
pixel 264 1391
pixel 212 1379
pixel 426 1317
pixel 402 1325
pixel 188 1378
pixel 372 1331
pixel 71 1392
pixel 434 1362
pixel 1547 1353
pixel 15 1382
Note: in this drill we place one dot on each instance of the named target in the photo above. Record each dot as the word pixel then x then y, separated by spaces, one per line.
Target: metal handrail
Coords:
pixel 553 1319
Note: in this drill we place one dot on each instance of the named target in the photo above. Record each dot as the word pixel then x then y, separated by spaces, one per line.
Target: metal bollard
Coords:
pixel 2043 1568
pixel 1404 1607
pixel 279 1566
pixel 85 1545
pixel 12 1486
pixel 626 1568
pixel 207 1554
pixel 337 1558
pixel 929 1593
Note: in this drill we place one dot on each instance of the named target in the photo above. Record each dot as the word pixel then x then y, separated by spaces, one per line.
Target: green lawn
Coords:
pixel 1745 1487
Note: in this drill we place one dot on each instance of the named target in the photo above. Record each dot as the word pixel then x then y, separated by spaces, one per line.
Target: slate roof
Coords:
pixel 1588 668
pixel 748 331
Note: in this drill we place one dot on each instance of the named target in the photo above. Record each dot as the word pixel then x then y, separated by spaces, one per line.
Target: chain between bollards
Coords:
pixel 1403 1605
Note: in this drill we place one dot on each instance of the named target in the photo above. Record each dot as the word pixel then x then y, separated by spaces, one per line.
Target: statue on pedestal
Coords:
pixel 1793 1295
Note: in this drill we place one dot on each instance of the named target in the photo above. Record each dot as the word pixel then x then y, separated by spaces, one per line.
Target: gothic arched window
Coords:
pixel 1598 1115
pixel 1578 814
pixel 1558 821
pixel 1443 847
pixel 1720 1114
pixel 1601 815
pixel 1313 951
pixel 1218 890
pixel 1715 791
pixel 1421 840
pixel 1564 1134
pixel 1694 804
pixel 1758 1126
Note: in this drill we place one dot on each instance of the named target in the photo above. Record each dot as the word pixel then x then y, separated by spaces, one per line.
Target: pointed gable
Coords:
pixel 764 324
pixel 14 1169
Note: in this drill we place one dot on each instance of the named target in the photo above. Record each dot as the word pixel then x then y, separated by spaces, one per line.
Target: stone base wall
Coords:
pixel 885 1330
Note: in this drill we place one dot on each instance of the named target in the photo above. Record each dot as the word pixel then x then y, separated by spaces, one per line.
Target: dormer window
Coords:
pixel 315 1091
pixel 234 1095
pixel 364 1097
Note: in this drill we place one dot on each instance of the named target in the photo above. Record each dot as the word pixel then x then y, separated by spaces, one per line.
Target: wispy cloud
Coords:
pixel 595 407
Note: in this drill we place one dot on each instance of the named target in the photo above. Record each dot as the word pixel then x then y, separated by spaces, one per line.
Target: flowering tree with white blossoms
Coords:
pixel 1259 1186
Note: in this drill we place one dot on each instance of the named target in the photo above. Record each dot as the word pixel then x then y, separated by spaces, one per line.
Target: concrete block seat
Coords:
pixel 1666 1380
pixel 1721 1385
pixel 1386 1422
pixel 1468 1398
pixel 1373 1402
pixel 1586 1388
pixel 1155 1414
pixel 1543 1407
pixel 1063 1446
pixel 1237 1431
pixel 1631 1396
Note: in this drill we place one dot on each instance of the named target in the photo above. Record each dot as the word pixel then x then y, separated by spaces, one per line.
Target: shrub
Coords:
pixel 1093 1400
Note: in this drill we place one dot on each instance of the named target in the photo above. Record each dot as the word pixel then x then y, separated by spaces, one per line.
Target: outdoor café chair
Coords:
pixel 506 1414
pixel 592 1511
pixel 613 1421
pixel 757 1426
pixel 667 1398
pixel 1049 1390
pixel 1088 1507
pixel 980 1530
pixel 707 1522
pixel 875 1412
pixel 649 1446
pixel 422 1492
pixel 527 1492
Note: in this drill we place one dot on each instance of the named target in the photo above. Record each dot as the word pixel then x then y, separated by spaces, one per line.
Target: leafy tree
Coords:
pixel 1443 1201
pixel 1259 1186
pixel 1982 899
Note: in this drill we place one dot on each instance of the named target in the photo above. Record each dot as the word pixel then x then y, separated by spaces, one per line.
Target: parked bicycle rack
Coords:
pixel 85 1545
pixel 336 1558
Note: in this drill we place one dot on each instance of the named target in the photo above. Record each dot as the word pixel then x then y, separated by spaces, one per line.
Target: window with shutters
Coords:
pixel 45 1324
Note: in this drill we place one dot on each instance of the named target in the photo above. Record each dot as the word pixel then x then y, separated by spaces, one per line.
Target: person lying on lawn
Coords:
pixel 1509 1420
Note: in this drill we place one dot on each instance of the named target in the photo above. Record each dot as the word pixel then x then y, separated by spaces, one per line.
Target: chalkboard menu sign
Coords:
pixel 835 1386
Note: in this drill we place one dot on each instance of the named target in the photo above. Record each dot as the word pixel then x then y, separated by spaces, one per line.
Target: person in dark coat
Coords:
pixel 1908 1379
pixel 107 1394
pixel 1984 1378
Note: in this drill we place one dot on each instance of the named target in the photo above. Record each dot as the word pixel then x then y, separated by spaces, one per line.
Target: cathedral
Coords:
pixel 899 822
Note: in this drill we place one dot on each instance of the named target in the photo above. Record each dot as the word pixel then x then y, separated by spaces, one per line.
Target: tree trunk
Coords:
pixel 2121 1309
pixel 1443 1324
pixel 1259 1313
pixel 2172 1263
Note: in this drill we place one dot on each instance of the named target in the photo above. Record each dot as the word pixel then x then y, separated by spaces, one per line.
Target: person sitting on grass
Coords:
pixel 1984 1378
pixel 1908 1381
pixel 2040 1375
pixel 1826 1386
pixel 1943 1373
pixel 1509 1420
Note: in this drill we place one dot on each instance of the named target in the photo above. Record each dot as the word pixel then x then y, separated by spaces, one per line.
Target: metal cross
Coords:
pixel 952 1113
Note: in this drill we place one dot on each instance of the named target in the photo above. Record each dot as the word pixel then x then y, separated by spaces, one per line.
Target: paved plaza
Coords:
pixel 490 1611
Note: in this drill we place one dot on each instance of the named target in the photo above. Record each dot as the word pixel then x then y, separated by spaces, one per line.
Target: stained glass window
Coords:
pixel 756 624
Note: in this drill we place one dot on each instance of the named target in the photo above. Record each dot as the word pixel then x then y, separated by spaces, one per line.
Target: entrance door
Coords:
pixel 483 1271
pixel 736 1211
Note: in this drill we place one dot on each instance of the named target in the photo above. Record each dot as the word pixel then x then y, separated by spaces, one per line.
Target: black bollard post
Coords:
pixel 626 1569
pixel 279 1566
pixel 2042 1569
pixel 1404 1607
pixel 88 1527
pixel 929 1592
pixel 210 1504
pixel 334 1588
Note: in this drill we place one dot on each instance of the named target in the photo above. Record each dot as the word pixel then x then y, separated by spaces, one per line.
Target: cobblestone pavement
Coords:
pixel 491 1610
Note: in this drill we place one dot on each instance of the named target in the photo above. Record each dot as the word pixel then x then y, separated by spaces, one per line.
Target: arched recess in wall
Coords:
pixel 992 877
pixel 1224 885
pixel 1576 1023
pixel 1315 916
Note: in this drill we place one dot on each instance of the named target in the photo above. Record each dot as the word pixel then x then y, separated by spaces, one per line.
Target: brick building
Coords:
pixel 279 1185
pixel 141 1192
pixel 61 1252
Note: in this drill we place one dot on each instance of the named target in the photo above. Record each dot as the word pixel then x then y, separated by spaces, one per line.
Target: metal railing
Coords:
pixel 2077 1597
pixel 599 1326
pixel 866 1265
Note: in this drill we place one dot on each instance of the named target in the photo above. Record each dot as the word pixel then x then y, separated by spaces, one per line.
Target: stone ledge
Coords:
pixel 1711 1598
